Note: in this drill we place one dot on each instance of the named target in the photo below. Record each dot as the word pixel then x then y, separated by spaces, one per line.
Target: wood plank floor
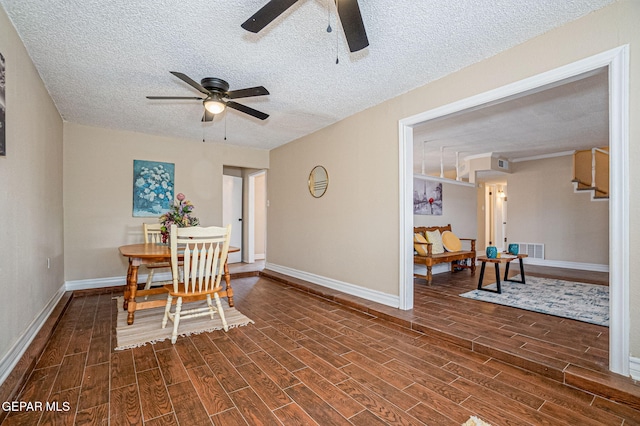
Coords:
pixel 309 360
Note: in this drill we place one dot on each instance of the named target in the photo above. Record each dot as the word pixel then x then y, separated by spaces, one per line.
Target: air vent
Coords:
pixel 503 164
pixel 533 250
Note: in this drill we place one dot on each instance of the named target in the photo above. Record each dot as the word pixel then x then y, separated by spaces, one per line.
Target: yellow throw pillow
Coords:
pixel 435 238
pixel 451 242
pixel 419 244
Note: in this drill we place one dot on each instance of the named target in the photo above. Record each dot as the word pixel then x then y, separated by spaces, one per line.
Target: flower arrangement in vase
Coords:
pixel 180 214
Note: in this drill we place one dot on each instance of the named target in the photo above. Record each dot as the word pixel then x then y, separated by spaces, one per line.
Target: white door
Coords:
pixel 232 212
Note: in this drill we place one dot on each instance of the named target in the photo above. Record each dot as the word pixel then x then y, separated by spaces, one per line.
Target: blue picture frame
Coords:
pixel 153 188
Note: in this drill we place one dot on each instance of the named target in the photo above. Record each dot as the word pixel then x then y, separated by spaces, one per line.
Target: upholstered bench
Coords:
pixel 437 244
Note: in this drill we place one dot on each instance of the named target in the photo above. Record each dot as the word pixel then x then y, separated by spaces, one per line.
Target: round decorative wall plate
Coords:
pixel 318 181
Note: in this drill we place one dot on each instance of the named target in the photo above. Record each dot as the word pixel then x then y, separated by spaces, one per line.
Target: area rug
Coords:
pixel 567 299
pixel 474 421
pixel 147 327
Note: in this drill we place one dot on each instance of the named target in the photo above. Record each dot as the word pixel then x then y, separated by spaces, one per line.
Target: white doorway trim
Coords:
pixel 617 61
pixel 232 212
pixel 250 256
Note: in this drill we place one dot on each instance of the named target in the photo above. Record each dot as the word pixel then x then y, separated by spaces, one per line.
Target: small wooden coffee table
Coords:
pixel 505 258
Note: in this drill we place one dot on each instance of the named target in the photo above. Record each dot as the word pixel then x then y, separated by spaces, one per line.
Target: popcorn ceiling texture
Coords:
pixel 99 59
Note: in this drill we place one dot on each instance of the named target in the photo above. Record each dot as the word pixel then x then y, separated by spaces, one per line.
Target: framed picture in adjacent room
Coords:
pixel 427 197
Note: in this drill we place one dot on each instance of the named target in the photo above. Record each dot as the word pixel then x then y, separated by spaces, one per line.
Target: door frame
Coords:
pixel 237 225
pixel 617 61
pixel 250 256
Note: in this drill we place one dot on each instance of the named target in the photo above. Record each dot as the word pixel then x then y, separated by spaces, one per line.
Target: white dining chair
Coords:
pixel 152 234
pixel 205 251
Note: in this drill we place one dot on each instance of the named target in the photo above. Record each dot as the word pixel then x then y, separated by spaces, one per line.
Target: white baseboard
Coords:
pixel 595 267
pixel 440 268
pixel 9 361
pixel 445 267
pixel 112 281
pixel 634 367
pixel 354 290
pixel 94 283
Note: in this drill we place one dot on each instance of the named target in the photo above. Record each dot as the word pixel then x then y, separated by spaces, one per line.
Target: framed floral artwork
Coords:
pixel 153 184
pixel 427 197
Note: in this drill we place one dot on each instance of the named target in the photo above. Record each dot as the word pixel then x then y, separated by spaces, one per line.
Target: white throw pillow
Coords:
pixel 435 238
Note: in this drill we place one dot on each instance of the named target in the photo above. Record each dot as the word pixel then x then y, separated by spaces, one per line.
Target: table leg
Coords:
pixel 498 287
pixel 125 304
pixel 227 279
pixel 481 275
pixel 132 284
pixel 521 280
pixel 498 284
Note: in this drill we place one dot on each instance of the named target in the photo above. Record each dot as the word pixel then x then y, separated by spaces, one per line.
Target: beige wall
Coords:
pixel 98 182
pixel 543 208
pixel 31 196
pixel 352 233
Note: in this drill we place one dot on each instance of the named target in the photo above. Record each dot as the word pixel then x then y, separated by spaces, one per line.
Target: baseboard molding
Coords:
pixel 440 268
pixel 634 367
pixel 94 283
pixel 9 361
pixel 354 290
pixel 595 267
pixel 111 281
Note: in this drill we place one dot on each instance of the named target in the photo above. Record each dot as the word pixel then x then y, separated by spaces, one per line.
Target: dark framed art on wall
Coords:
pixel 3 103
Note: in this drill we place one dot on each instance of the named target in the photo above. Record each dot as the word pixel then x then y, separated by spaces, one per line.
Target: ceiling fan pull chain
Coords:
pixel 225 127
pixel 329 29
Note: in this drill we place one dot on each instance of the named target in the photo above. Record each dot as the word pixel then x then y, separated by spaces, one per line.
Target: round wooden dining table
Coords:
pixel 142 254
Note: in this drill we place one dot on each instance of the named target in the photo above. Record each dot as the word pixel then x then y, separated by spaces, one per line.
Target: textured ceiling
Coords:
pixel 568 115
pixel 99 59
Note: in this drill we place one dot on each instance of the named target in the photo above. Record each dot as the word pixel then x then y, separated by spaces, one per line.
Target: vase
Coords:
pixel 492 252
pixel 513 249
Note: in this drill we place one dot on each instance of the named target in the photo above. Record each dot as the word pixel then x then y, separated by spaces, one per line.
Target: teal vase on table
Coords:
pixel 513 249
pixel 492 252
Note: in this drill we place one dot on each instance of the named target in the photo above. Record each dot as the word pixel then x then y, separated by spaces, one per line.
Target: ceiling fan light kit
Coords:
pixel 218 96
pixel 214 105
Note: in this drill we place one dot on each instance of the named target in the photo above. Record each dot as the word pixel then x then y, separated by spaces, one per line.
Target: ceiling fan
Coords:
pixel 348 11
pixel 217 96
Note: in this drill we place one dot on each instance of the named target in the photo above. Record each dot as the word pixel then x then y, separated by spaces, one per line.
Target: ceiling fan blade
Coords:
pixel 190 82
pixel 268 13
pixel 352 24
pixel 207 116
pixel 174 97
pixel 247 110
pixel 246 93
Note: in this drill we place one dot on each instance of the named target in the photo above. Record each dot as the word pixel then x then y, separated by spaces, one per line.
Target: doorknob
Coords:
pixel 240 220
